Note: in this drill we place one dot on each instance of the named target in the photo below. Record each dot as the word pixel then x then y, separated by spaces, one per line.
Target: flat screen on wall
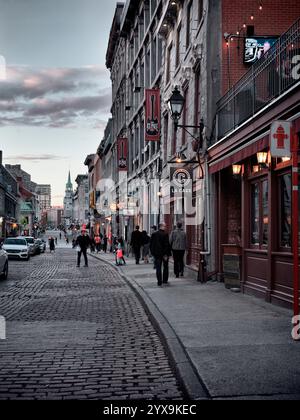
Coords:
pixel 256 47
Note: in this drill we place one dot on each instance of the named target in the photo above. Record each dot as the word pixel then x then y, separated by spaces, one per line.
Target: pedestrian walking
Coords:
pixel 55 240
pixel 52 245
pixel 120 246
pixel 115 244
pixel 178 242
pixel 120 255
pixel 82 243
pixel 153 230
pixel 105 244
pixel 146 246
pixel 92 245
pixel 161 250
pixel 98 243
pixel 136 243
pixel 60 236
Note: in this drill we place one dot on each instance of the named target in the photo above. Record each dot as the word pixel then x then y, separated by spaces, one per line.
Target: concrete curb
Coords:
pixel 186 372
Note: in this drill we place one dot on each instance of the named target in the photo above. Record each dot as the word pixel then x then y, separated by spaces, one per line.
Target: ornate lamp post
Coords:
pixel 176 105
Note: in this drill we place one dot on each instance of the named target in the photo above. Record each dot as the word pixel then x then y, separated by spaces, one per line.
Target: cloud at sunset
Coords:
pixel 35 158
pixel 54 97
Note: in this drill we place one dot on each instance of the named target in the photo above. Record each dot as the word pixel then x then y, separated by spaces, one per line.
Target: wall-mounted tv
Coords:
pixel 257 46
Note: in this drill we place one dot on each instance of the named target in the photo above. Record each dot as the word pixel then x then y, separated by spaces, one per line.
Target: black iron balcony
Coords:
pixel 268 79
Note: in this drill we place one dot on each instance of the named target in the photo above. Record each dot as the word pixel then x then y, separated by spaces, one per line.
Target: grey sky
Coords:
pixel 55 33
pixel 56 99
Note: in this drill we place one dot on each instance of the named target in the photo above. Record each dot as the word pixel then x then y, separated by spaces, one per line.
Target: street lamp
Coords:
pixel 176 105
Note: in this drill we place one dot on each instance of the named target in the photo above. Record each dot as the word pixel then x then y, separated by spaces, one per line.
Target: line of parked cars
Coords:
pixel 22 248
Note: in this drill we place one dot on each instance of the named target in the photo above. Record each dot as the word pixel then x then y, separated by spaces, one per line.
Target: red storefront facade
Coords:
pixel 253 207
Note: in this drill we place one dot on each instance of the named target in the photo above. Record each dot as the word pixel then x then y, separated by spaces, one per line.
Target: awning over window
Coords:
pixel 239 155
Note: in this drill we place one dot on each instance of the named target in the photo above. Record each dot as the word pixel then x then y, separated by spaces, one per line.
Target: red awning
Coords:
pixel 239 155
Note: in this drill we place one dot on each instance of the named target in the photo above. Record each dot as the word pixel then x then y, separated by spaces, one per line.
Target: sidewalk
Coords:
pixel 239 346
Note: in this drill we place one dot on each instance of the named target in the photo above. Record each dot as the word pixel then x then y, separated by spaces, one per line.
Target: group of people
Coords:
pixel 100 243
pixel 162 247
pixel 140 244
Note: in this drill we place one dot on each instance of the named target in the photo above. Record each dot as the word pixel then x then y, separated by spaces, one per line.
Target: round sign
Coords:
pixel 181 178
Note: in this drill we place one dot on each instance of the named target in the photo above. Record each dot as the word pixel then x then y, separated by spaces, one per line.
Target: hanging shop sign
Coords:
pixel 152 115
pixel 256 47
pixel 122 145
pixel 181 180
pixel 281 136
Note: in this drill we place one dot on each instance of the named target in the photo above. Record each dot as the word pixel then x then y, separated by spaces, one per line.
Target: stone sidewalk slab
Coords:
pixel 240 346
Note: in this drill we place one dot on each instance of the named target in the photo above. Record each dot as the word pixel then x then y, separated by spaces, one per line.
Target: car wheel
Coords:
pixel 5 272
pixel 28 258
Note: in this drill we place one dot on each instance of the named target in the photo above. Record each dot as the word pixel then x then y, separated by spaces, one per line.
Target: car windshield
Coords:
pixel 15 242
pixel 30 240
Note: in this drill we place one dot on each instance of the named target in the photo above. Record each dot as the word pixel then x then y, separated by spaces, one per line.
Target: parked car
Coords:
pixel 17 248
pixel 3 264
pixel 33 247
pixel 42 245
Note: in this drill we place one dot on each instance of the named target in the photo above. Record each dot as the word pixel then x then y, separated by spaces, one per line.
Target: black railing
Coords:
pixel 269 78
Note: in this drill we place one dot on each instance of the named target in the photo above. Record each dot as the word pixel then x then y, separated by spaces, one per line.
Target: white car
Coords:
pixel 17 248
pixel 32 246
pixel 3 265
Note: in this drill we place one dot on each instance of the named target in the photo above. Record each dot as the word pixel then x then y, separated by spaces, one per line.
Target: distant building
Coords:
pixel 29 206
pixel 9 210
pixel 44 195
pixel 17 172
pixel 81 201
pixel 68 202
pixel 55 216
pixel 90 163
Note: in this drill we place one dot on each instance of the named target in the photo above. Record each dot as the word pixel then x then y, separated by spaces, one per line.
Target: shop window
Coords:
pixel 286 211
pixel 200 10
pixel 169 63
pixel 265 209
pixel 189 24
pixel 178 47
pixel 260 214
pixel 185 114
pixel 166 136
pixel 255 214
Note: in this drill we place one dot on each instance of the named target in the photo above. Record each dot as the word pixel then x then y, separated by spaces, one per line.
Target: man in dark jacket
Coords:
pixel 136 243
pixel 161 250
pixel 178 242
pixel 83 242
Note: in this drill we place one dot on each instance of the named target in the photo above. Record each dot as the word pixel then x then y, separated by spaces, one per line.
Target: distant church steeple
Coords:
pixel 69 185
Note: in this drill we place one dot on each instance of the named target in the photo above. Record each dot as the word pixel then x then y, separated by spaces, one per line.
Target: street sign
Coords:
pixel 281 138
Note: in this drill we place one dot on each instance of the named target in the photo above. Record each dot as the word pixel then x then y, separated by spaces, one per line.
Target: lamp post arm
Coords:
pixel 184 127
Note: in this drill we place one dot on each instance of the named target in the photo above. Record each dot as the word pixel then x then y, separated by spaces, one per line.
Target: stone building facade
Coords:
pixel 9 203
pixel 81 201
pixel 68 202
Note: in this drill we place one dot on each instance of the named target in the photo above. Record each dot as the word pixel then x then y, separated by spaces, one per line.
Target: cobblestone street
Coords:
pixel 78 334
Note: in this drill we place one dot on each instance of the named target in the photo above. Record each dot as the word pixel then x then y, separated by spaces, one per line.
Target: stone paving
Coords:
pixel 78 334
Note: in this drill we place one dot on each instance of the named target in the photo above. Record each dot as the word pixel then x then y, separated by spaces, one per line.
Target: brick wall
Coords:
pixel 275 18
